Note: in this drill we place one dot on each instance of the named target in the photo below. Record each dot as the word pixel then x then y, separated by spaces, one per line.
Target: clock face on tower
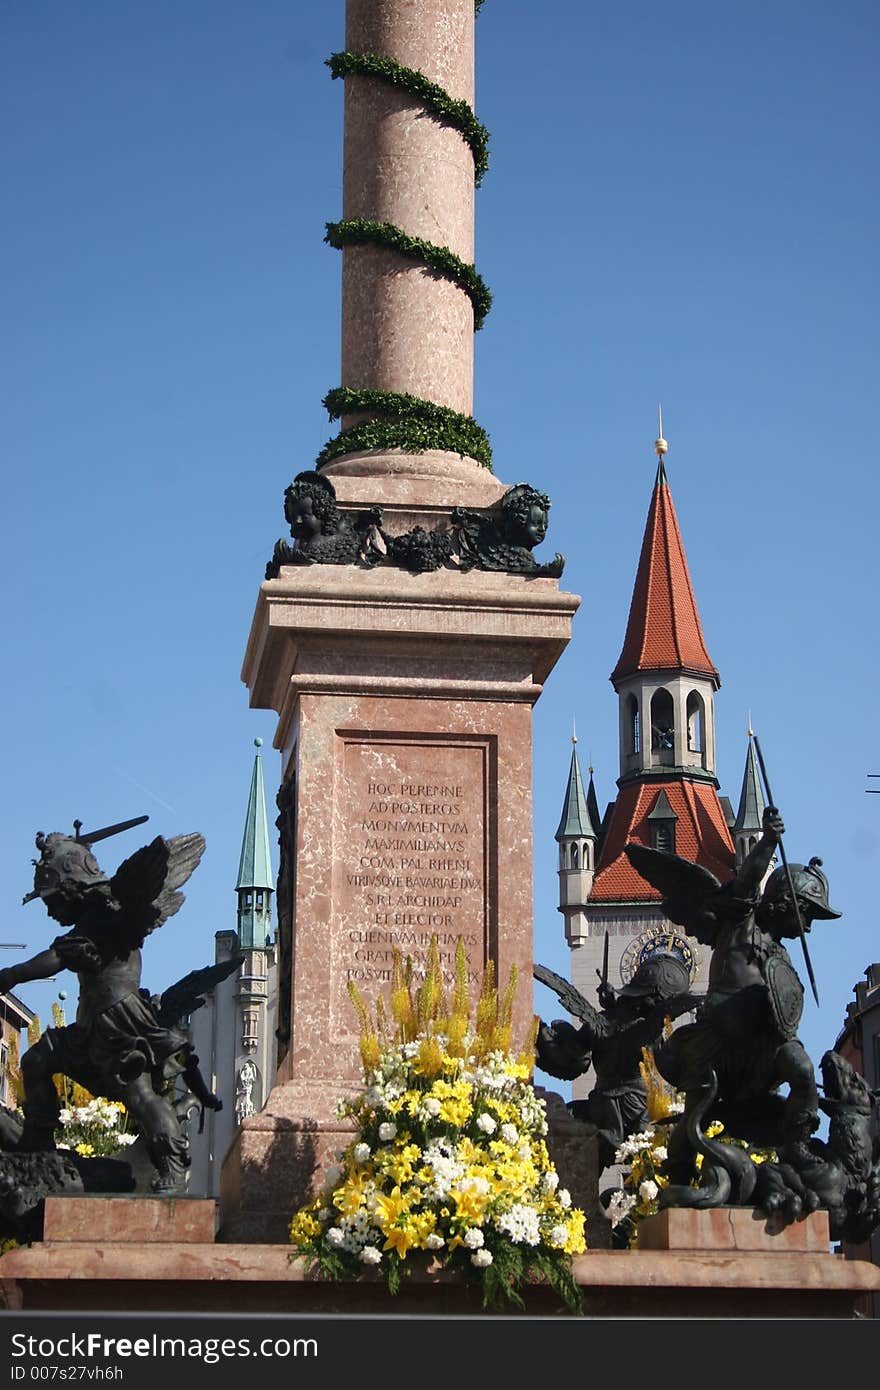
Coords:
pixel 658 941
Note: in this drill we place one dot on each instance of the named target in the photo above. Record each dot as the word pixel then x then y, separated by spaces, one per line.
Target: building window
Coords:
pixel 662 724
pixel 633 725
pixel 664 836
pixel 695 724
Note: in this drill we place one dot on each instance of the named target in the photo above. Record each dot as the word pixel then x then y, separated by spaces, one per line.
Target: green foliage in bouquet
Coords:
pixel 450 1165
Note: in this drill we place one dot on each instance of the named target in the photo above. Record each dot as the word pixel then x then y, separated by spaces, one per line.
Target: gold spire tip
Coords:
pixel 660 445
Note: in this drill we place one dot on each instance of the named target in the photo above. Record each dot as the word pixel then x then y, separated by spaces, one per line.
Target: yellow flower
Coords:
pixel 429 1061
pixel 471 1205
pixel 397 1165
pixel 399 1238
pixel 518 1070
pixel 304 1227
pixel 85 1150
pixel 576 1244
pixel 455 1112
pixel 391 1207
pixel 421 1224
pixel 349 1197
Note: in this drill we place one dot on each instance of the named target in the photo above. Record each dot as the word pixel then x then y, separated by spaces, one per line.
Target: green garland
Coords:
pixel 401 421
pixel 358 231
pixel 455 113
pixel 405 422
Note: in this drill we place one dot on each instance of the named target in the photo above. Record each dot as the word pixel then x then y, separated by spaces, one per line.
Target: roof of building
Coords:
pixel 17 1013
pixel 575 820
pixel 664 630
pixel 751 798
pixel 701 834
pixel 255 866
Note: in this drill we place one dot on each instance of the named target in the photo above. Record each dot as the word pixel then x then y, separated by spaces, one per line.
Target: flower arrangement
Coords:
pixel 449 1165
pixel 94 1129
pixel 90 1126
pixel 646 1154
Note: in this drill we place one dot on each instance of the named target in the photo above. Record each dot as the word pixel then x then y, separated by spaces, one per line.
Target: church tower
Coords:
pixel 576 836
pixel 665 683
pixel 747 826
pixel 234 1031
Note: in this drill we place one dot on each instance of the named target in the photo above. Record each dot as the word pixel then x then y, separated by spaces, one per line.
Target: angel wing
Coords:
pixel 688 889
pixel 187 995
pixel 145 885
pixel 574 1001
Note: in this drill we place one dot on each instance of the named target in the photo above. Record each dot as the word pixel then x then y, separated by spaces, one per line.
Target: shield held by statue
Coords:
pixel 786 995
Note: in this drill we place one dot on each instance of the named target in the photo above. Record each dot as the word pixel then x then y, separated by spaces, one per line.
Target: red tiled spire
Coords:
pixel 663 631
pixel 701 834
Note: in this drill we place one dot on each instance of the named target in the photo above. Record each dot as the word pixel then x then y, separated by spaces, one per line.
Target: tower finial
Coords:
pixel 574 735
pixel 660 445
pixel 751 730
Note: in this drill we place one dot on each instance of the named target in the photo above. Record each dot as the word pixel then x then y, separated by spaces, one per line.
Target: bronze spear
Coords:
pixel 797 911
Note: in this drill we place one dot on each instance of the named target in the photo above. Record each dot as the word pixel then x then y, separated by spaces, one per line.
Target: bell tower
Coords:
pixel 664 677
pixel 667 795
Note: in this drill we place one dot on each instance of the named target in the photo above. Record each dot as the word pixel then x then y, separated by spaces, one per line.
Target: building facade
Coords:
pixel 14 1018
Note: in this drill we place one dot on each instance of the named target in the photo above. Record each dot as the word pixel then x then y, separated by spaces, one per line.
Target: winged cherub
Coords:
pixel 631 1019
pixel 123 1045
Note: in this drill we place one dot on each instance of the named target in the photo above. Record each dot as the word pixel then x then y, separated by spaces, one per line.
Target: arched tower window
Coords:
pixel 633 725
pixel 696 733
pixel 663 726
pixel 575 857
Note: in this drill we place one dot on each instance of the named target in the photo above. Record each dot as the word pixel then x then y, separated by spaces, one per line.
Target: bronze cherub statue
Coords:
pixel 125 1043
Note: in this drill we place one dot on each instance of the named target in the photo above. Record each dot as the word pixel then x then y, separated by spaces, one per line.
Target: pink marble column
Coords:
pixel 404 328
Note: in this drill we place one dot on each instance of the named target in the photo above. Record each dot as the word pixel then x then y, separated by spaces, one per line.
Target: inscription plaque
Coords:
pixel 409 861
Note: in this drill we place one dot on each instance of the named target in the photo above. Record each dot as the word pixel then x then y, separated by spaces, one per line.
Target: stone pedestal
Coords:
pixel 404 706
pixel 129 1220
pixel 111 1272
pixel 733 1228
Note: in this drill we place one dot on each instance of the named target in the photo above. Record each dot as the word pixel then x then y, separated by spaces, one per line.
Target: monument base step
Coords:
pixel 76 1276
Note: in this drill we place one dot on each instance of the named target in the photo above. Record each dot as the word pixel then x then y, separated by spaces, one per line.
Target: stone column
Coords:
pixel 404 328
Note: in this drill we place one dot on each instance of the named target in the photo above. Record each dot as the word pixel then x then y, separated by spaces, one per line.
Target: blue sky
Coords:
pixel 682 207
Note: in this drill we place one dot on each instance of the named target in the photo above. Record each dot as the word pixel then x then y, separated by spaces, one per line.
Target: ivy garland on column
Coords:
pixel 401 421
pixel 358 231
pixel 458 114
pixel 404 422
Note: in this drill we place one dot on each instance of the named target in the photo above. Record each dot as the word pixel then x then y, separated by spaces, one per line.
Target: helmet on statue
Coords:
pixel 661 974
pixel 810 885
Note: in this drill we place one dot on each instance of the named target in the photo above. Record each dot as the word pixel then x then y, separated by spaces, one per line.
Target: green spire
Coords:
pixel 751 798
pixel 593 807
pixel 575 820
pixel 255 882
